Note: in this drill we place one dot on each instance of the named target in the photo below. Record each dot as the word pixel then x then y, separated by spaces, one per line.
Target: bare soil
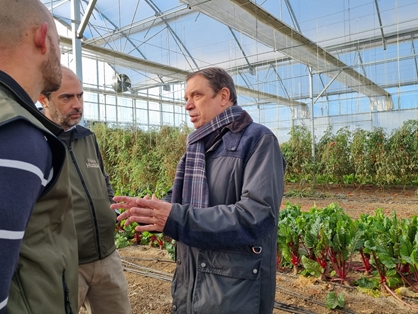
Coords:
pixel 149 286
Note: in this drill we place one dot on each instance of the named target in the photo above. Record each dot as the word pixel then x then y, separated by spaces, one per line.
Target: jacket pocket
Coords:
pixel 227 282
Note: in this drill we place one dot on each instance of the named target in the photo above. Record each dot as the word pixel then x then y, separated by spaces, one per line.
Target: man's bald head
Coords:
pixel 29 46
pixel 65 106
pixel 17 17
pixel 69 74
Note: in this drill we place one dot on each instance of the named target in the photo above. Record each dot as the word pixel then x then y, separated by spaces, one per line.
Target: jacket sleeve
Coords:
pixel 25 164
pixel 249 219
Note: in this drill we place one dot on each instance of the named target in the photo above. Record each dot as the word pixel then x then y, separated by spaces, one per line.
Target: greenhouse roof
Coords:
pixel 278 51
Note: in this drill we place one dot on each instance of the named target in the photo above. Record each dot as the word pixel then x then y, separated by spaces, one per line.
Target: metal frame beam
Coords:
pixel 175 74
pixel 415 59
pixel 86 18
pixel 140 26
pixel 293 16
pixel 262 26
pixel 251 69
pixel 381 25
pixel 173 33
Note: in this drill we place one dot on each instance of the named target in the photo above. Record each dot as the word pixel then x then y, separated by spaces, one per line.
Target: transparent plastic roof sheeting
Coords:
pixel 356 60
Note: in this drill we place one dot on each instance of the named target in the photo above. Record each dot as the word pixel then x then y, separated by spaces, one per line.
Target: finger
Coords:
pixel 146 197
pixel 147 203
pixel 124 199
pixel 149 228
pixel 123 216
pixel 144 203
pixel 138 219
pixel 121 205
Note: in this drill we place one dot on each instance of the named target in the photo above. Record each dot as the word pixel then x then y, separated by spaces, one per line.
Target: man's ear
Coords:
pixel 225 94
pixel 41 33
pixel 43 100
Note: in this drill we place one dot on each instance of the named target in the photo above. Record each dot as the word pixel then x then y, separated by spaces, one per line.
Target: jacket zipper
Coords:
pixel 67 302
pixel 96 228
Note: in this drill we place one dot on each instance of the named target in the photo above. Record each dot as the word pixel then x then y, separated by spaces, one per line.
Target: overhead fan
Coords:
pixel 121 83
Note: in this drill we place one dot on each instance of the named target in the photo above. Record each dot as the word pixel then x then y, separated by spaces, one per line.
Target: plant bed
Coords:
pixel 152 295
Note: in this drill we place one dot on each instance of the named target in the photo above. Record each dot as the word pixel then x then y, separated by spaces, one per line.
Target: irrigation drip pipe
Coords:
pixel 145 271
pixel 311 300
pixel 291 308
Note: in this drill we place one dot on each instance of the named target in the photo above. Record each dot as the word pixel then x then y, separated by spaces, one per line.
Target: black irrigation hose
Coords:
pixel 311 300
pixel 163 260
pixel 291 308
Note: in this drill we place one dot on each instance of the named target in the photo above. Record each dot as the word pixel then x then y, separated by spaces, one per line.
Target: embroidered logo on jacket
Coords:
pixel 92 163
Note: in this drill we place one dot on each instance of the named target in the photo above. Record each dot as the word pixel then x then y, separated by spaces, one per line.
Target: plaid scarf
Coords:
pixel 190 183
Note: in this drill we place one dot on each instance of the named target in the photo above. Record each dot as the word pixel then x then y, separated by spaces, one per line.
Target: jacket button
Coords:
pixel 178 262
pixel 255 271
pixel 203 265
pixel 174 308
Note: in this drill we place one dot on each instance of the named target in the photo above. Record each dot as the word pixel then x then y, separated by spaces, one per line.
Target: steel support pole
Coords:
pixel 77 59
pixel 312 120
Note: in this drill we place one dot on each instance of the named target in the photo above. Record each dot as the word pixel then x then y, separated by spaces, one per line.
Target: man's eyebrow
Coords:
pixel 70 95
pixel 66 95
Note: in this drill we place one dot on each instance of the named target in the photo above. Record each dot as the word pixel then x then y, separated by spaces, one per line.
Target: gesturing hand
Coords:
pixel 151 214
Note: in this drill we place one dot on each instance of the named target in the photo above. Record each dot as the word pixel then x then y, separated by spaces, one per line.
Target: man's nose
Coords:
pixel 189 104
pixel 78 103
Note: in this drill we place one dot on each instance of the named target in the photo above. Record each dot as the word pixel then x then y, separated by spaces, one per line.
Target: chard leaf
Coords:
pixel 367 283
pixel 333 301
pixel 312 266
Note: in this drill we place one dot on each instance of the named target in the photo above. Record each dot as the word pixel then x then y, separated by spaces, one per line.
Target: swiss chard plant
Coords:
pixel 289 235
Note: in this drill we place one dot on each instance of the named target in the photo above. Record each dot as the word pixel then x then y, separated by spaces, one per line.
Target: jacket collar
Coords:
pixel 240 123
pixel 16 90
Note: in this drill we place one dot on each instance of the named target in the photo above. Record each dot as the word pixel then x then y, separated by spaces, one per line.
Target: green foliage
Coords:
pixel 402 148
pixel 368 151
pixel 326 240
pixel 333 154
pixel 121 240
pixel 126 235
pixel 334 301
pixel 298 156
pixel 312 267
pixel 139 162
pixel 359 157
pixel 290 230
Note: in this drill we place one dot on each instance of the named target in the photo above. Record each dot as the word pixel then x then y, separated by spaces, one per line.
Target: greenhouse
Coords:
pixel 132 183
pixel 295 63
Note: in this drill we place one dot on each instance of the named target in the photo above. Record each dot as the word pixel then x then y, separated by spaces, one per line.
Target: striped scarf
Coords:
pixel 190 183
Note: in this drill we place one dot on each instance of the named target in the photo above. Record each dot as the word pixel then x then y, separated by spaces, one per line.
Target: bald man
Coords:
pixel 102 287
pixel 38 250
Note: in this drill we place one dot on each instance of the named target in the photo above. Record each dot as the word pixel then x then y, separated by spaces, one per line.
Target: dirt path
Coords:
pixel 355 200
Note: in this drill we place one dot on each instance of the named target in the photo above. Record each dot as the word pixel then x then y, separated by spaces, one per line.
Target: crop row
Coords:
pixel 328 244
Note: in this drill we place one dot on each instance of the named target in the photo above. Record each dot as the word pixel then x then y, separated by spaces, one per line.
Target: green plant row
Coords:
pixel 328 244
pixel 142 162
pixel 359 156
